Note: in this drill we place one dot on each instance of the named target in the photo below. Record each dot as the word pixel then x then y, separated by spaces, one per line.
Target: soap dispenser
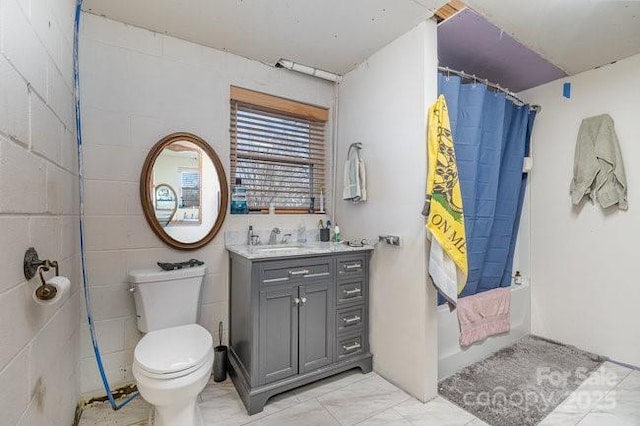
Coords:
pixel 336 234
pixel 517 278
pixel 302 233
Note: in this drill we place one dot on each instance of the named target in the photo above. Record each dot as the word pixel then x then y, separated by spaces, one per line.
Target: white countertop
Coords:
pixel 266 251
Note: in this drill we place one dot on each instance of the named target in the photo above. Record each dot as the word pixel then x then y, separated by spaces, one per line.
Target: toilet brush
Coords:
pixel 220 359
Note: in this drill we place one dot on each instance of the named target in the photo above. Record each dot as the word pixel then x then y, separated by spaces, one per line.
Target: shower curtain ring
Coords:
pixel 475 81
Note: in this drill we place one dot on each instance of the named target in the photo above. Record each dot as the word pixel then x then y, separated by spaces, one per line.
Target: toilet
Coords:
pixel 173 361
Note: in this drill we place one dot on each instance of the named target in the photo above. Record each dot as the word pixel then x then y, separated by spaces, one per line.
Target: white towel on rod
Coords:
pixel 443 273
pixel 355 178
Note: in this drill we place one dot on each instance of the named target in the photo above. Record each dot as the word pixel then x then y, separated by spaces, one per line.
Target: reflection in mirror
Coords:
pixel 165 204
pixel 179 165
pixel 184 191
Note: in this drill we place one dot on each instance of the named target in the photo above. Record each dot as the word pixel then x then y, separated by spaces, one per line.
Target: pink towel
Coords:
pixel 484 314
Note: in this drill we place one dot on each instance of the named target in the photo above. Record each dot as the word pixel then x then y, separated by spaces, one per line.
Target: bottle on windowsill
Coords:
pixel 239 203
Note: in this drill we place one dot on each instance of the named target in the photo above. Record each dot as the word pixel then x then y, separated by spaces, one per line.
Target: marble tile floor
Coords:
pixel 611 396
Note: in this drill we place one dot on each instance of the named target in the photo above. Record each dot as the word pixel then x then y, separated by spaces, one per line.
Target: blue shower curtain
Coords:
pixel 491 135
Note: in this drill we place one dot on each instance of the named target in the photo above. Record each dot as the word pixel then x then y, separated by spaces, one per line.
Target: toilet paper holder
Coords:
pixel 34 265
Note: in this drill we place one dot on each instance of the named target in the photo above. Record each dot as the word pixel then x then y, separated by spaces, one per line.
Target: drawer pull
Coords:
pixel 303 300
pixel 353 292
pixel 351 347
pixel 299 272
pixel 275 280
pixel 355 318
pixel 296 301
pixel 319 274
pixel 353 266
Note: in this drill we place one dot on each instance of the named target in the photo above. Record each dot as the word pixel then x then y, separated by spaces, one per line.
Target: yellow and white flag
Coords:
pixel 445 218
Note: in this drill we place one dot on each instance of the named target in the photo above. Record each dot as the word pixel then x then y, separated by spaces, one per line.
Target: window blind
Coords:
pixel 190 189
pixel 279 157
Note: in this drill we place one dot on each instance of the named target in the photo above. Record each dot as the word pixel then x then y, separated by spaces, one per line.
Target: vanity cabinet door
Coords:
pixel 317 316
pixel 278 347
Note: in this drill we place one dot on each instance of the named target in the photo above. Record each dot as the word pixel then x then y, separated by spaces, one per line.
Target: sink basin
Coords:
pixel 288 249
pixel 294 249
pixel 276 247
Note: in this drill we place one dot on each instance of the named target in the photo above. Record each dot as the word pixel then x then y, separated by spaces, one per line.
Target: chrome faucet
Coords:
pixel 254 239
pixel 273 236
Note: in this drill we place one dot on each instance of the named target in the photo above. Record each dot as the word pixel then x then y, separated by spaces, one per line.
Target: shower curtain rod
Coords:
pixel 495 86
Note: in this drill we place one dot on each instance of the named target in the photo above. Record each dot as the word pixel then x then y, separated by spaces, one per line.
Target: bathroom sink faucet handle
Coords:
pixel 285 238
pixel 272 237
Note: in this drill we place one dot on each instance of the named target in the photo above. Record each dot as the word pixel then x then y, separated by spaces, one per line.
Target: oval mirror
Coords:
pixel 183 190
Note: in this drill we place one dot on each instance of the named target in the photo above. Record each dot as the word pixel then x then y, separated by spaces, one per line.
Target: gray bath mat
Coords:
pixel 520 384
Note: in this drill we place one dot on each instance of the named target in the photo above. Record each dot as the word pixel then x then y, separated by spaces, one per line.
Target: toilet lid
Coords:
pixel 173 349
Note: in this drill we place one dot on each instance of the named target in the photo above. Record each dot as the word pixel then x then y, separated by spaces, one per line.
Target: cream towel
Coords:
pixel 597 166
pixel 355 178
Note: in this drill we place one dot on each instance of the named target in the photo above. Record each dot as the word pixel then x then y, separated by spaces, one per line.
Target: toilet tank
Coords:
pixel 166 298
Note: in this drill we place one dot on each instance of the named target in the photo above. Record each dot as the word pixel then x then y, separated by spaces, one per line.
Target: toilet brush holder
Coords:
pixel 220 364
pixel 220 359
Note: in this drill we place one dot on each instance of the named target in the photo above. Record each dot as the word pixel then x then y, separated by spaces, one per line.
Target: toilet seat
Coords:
pixel 176 374
pixel 173 352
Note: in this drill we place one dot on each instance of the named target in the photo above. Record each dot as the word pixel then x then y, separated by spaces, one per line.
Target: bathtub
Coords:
pixel 452 357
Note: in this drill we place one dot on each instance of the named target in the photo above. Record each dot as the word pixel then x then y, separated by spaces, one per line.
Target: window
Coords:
pixel 278 150
pixel 190 189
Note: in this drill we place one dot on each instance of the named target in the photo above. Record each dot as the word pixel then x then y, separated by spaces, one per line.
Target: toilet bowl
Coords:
pixel 171 367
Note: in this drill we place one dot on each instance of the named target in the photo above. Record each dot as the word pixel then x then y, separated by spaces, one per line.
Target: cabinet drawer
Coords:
pixel 307 269
pixel 350 319
pixel 351 291
pixel 349 266
pixel 350 345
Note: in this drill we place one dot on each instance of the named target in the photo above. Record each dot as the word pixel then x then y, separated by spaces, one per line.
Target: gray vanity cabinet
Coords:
pixel 316 326
pixel 278 341
pixel 295 329
pixel 296 320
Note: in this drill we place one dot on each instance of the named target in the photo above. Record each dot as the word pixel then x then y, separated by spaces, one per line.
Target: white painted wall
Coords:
pixel 39 349
pixel 584 280
pixel 138 86
pixel 383 104
pixel 522 253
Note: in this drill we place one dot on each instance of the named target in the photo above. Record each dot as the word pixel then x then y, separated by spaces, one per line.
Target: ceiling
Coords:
pixel 467 41
pixel 337 35
pixel 575 35
pixel 333 35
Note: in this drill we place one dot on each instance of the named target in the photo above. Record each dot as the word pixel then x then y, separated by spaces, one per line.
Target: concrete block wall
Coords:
pixel 39 346
pixel 138 86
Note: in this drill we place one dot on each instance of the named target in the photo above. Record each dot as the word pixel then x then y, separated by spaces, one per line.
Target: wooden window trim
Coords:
pixel 281 105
